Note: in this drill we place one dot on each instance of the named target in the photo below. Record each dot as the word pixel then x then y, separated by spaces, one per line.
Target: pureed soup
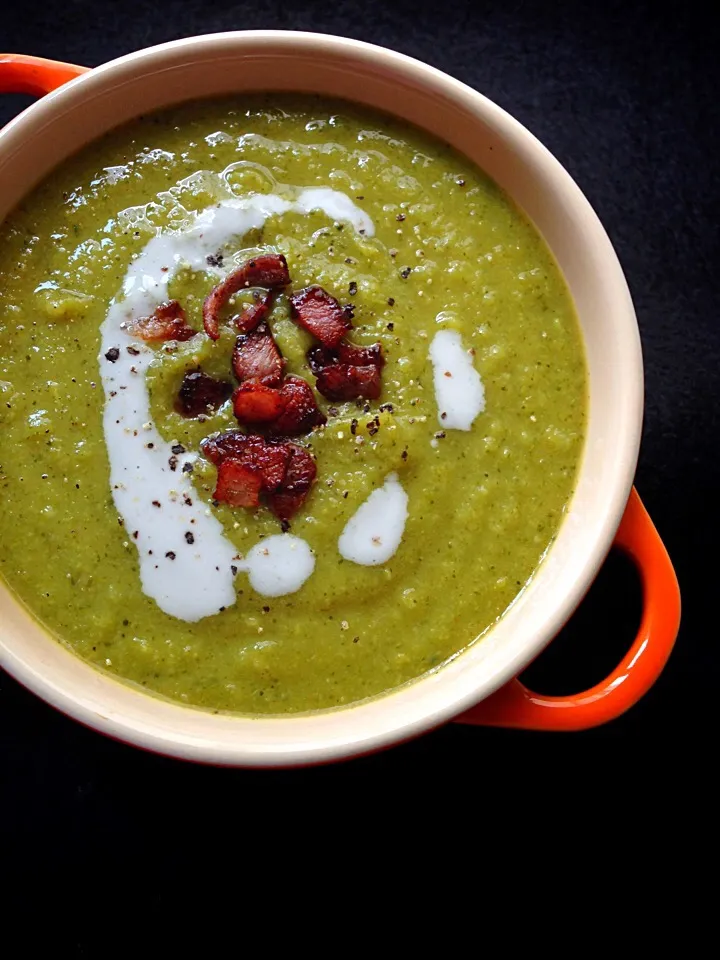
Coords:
pixel 293 400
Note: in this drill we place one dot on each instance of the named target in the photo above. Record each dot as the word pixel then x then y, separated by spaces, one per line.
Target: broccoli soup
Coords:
pixel 293 400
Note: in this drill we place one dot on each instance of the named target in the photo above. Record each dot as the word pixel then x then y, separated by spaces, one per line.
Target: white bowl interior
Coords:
pixel 62 122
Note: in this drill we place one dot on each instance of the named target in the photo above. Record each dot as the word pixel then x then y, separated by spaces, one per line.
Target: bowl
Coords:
pixel 480 685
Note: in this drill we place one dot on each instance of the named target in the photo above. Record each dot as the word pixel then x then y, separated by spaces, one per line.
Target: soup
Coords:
pixel 293 400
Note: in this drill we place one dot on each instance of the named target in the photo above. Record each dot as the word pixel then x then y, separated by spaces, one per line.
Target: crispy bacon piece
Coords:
pixel 320 357
pixel 167 322
pixel 348 372
pixel 268 457
pixel 320 314
pixel 253 403
pixel 254 313
pixel 341 381
pixel 249 465
pixel 226 445
pixel 200 393
pixel 299 478
pixel 269 270
pixel 356 356
pixel 238 484
pixel 256 357
pixel 300 413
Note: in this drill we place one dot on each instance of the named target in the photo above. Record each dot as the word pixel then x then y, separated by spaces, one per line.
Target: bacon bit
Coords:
pixel 301 412
pixel 167 322
pixel 198 392
pixel 256 357
pixel 254 313
pixel 348 353
pixel 320 314
pixel 238 484
pixel 348 372
pixel 299 478
pixel 269 270
pixel 253 403
pixel 269 457
pixel 249 465
pixel 341 381
pixel 225 445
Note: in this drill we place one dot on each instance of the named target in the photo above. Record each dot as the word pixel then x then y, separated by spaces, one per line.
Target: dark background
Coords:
pixel 625 95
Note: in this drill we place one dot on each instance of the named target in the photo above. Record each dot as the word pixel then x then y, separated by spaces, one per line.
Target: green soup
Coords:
pixel 446 251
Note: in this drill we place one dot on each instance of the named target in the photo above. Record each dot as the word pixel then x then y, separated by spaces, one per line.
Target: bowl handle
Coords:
pixel 34 75
pixel 516 706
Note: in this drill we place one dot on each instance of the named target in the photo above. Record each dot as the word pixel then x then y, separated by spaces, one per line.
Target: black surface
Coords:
pixel 625 95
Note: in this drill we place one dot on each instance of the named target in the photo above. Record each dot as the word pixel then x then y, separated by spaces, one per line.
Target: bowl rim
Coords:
pixel 402 722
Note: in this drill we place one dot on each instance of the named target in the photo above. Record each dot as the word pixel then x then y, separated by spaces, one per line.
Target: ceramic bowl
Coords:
pixel 479 686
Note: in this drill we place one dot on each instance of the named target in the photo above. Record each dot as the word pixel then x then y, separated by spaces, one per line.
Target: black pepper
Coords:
pixel 284 525
pixel 170 555
pixel 112 354
pixel 352 288
pixel 133 351
pixel 189 538
pixel 391 326
pixel 391 301
pixel 187 468
pixel 353 426
pixel 400 217
pixel 173 462
pixel 156 503
pixel 177 448
pixel 404 454
pixel 405 272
